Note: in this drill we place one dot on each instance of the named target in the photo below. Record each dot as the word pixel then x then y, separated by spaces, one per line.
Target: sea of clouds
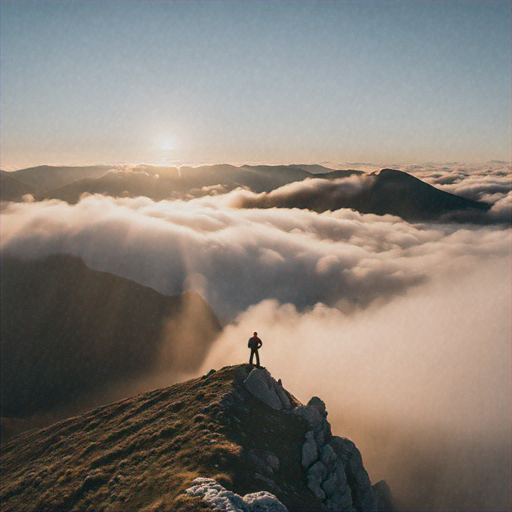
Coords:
pixel 403 329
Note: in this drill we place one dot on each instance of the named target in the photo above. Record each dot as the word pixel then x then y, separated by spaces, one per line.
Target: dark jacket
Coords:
pixel 254 343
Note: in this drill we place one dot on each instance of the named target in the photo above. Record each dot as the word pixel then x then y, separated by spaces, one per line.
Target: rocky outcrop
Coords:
pixel 222 500
pixel 383 495
pixel 261 384
pixel 333 465
pixel 257 447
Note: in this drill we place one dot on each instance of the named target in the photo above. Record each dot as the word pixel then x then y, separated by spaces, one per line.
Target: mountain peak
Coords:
pixel 406 196
pixel 235 432
pixel 394 174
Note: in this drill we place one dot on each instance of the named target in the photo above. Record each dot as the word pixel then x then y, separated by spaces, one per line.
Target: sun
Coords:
pixel 166 145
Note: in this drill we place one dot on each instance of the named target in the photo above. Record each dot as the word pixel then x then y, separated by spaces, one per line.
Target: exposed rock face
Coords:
pixel 261 384
pixel 223 500
pixel 333 465
pixel 384 498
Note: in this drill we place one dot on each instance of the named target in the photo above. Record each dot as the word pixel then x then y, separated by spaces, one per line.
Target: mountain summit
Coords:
pixel 402 194
pixel 232 440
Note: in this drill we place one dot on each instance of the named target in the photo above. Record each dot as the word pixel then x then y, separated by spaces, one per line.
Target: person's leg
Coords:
pixel 252 355
pixel 257 358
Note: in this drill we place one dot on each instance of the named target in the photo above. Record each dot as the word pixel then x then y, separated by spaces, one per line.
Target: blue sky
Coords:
pixel 260 81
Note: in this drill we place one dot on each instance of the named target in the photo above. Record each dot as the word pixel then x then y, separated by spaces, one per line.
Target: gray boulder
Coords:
pixel 319 405
pixel 281 393
pixel 327 455
pixel 261 384
pixel 383 495
pixel 311 415
pixel 309 450
pixel 315 478
pixel 363 497
pixel 331 485
pixel 222 500
pixel 263 501
pixel 340 502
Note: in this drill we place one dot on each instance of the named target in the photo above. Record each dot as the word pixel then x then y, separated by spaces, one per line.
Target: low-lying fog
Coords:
pixel 403 329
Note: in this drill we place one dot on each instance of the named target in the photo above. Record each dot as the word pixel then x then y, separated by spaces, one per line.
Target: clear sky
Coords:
pixel 255 81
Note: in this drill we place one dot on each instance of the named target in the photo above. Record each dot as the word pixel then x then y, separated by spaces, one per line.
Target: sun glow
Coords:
pixel 166 145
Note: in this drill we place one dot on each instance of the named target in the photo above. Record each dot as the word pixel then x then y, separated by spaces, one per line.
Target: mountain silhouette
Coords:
pixel 233 439
pixel 386 192
pixel 12 189
pixel 69 332
pixel 47 177
pixel 342 173
pixel 399 193
pixel 172 183
pixel 161 183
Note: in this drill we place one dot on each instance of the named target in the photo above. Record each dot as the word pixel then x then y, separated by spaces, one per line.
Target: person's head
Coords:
pixel 255 334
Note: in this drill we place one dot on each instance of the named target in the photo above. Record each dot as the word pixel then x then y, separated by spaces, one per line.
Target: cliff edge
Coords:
pixel 233 440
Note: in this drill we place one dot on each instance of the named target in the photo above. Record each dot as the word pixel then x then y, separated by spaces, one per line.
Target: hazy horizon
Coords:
pixel 365 166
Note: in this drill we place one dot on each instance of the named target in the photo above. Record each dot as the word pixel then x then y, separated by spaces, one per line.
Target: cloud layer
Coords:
pixel 236 257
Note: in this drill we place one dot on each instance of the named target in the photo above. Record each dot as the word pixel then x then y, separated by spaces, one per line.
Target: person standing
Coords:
pixel 254 344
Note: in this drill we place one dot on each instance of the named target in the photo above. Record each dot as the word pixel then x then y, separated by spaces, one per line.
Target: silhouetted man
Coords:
pixel 254 344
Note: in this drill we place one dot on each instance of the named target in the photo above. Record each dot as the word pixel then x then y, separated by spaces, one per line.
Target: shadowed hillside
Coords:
pixel 386 192
pixel 46 177
pixel 237 426
pixel 401 194
pixel 156 182
pixel 11 189
pixel 68 331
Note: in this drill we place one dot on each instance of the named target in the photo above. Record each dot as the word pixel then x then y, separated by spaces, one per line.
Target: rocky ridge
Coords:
pixel 232 440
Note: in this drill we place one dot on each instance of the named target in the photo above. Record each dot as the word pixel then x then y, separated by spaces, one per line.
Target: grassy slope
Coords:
pixel 142 452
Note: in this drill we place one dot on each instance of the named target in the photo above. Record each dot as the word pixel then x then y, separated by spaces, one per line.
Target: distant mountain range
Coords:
pixel 44 178
pixel 386 192
pixel 69 332
pixel 69 183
